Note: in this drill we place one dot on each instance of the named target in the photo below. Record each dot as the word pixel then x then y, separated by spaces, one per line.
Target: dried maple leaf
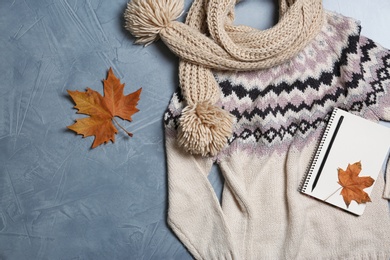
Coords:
pixel 103 109
pixel 353 185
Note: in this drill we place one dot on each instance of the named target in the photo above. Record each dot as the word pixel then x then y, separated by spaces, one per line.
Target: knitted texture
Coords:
pixel 209 40
pixel 279 116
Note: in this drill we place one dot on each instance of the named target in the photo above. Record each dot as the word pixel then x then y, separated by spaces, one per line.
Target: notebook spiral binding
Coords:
pixel 314 158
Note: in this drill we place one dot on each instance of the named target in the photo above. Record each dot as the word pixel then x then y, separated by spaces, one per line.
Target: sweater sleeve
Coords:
pixel 367 80
pixel 194 213
pixel 376 71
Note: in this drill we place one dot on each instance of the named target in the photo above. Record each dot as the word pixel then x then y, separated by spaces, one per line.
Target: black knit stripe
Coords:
pixel 366 47
pixel 283 110
pixel 270 135
pixel 378 86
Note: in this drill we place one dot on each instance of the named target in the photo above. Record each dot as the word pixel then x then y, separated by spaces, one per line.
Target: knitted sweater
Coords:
pixel 280 114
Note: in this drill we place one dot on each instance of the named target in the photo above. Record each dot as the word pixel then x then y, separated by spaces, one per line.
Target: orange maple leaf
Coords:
pixel 353 185
pixel 103 110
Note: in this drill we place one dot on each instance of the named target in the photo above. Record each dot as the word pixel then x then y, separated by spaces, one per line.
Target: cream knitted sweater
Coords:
pixel 279 114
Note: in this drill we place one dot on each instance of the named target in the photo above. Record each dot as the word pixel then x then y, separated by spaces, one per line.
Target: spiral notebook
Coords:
pixel 348 160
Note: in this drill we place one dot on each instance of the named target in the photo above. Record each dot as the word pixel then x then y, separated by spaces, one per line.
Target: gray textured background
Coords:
pixel 58 198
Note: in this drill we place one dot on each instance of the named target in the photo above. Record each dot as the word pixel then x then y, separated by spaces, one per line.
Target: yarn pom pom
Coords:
pixel 204 129
pixel 146 18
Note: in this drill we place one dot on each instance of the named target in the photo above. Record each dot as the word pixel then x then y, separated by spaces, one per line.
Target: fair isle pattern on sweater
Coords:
pixel 273 107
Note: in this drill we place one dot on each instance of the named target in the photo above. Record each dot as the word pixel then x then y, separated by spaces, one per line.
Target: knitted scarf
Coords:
pixel 209 40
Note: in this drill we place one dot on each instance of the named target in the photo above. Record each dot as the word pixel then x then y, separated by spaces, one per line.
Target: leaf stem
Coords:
pixel 127 132
pixel 333 193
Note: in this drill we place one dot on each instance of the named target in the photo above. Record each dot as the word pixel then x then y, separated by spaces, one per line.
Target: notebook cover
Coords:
pixel 355 149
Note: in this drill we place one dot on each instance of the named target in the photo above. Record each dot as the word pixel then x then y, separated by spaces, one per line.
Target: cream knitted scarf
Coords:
pixel 209 40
